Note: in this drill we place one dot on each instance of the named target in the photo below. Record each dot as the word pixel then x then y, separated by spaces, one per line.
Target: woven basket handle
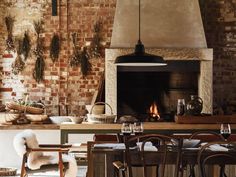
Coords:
pixel 98 103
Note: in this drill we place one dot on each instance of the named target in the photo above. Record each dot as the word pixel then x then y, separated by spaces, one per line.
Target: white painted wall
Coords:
pixel 8 156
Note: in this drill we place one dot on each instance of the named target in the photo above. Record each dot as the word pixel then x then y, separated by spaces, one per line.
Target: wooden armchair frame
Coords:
pixel 60 149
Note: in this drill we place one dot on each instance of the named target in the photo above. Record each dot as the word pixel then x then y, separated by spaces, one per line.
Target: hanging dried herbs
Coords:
pixel 26 45
pixel 79 57
pixel 96 46
pixel 9 21
pixel 55 47
pixel 18 65
pixel 39 69
pixel 75 59
pixel 85 65
pixel 38 72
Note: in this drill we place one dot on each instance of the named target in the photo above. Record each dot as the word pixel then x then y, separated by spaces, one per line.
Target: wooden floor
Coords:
pixel 81 173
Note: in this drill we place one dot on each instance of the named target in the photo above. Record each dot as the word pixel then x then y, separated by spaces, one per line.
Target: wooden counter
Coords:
pixel 30 126
pixel 149 127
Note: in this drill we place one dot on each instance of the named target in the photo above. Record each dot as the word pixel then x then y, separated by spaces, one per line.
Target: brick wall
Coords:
pixel 62 84
pixel 219 19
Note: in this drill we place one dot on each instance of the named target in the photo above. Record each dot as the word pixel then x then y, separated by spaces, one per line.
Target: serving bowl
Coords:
pixel 77 119
pixel 60 119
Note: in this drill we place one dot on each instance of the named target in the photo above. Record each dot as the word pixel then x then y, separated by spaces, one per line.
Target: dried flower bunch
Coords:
pixel 26 45
pixel 55 47
pixel 38 72
pixel 96 46
pixel 18 65
pixel 9 21
pixel 85 64
pixel 80 57
pixel 75 58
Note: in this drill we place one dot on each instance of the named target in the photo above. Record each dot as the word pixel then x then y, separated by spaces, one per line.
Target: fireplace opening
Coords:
pixel 151 93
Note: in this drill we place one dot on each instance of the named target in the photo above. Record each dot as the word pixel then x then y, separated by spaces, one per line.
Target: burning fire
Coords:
pixel 153 110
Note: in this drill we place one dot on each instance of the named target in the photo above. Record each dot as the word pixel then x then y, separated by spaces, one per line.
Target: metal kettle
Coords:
pixel 194 106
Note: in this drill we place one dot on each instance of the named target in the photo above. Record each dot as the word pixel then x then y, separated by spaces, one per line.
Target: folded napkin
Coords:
pixel 216 147
pixel 147 147
pixel 110 145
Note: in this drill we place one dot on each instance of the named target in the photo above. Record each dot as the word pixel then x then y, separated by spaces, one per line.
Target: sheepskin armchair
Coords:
pixel 34 160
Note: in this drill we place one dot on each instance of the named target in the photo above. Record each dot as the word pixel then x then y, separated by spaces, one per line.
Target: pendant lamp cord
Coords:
pixel 139 20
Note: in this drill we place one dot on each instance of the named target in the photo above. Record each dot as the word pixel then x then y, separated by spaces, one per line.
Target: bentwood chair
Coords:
pixel 221 158
pixel 150 150
pixel 204 136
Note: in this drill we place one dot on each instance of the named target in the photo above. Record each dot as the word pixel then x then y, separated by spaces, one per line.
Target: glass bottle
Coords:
pixel 180 107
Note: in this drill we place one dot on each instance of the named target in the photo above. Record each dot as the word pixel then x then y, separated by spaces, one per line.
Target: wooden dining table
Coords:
pixel 149 127
pixel 189 156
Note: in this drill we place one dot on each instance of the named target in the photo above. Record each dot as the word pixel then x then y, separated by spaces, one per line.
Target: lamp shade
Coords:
pixel 140 58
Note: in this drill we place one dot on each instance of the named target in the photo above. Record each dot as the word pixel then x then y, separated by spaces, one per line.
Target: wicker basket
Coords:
pixel 36 117
pixel 101 118
pixel 28 109
pixel 8 171
pixel 8 117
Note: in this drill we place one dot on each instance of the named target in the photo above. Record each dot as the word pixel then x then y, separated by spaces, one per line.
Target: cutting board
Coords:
pixel 231 119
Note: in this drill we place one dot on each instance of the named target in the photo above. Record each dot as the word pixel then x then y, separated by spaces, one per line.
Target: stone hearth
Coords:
pixel 205 56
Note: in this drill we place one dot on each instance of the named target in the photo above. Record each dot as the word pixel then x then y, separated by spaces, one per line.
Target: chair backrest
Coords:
pixel 207 136
pixel 153 150
pixel 221 158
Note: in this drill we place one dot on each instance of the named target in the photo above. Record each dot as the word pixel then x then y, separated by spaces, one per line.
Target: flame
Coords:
pixel 153 110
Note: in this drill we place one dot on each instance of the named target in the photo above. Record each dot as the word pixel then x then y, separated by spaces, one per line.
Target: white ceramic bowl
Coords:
pixel 60 119
pixel 77 119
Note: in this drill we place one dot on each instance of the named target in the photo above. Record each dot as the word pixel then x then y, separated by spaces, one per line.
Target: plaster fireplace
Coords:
pixel 166 31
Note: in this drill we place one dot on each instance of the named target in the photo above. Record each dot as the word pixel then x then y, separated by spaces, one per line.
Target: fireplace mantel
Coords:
pixel 204 55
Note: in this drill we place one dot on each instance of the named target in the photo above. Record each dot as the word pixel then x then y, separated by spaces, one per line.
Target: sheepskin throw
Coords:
pixel 37 159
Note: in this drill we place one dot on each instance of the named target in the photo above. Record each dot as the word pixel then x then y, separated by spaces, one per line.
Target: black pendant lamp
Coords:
pixel 139 57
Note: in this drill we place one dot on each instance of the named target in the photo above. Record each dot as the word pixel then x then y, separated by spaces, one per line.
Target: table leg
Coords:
pixel 109 170
pixel 192 172
pixel 64 137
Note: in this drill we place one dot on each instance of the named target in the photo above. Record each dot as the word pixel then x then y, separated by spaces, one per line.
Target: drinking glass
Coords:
pixel 180 107
pixel 138 128
pixel 225 130
pixel 126 129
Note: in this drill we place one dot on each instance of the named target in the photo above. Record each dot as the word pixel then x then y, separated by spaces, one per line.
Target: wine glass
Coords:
pixel 126 129
pixel 138 128
pixel 225 130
